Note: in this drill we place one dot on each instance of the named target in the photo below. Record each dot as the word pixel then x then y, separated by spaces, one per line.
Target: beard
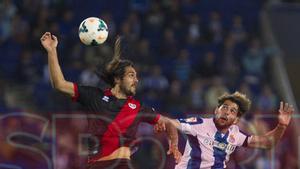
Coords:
pixel 128 90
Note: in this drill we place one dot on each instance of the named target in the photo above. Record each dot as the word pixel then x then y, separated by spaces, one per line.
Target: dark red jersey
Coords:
pixel 113 122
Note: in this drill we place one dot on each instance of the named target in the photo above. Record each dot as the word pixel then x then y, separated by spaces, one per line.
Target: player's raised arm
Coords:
pixel 58 81
pixel 271 138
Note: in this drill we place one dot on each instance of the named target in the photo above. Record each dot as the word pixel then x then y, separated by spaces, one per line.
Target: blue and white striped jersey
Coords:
pixel 206 147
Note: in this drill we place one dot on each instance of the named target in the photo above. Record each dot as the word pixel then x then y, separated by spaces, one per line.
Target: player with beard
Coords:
pixel 212 140
pixel 120 112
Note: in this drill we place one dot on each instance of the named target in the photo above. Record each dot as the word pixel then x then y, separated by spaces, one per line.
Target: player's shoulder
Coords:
pixel 91 90
pixel 234 129
pixel 208 119
pixel 236 135
pixel 89 87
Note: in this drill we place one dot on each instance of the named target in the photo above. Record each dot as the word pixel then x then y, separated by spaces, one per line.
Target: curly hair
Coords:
pixel 240 99
pixel 114 68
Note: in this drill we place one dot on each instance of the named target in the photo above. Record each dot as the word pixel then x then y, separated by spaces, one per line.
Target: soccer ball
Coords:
pixel 93 31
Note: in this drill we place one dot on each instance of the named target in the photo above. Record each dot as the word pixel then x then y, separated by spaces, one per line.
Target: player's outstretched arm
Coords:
pixel 162 127
pixel 58 81
pixel 271 138
pixel 165 124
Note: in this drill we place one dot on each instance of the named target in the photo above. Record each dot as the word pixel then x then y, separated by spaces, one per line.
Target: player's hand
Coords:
pixel 49 41
pixel 285 113
pixel 173 149
pixel 159 127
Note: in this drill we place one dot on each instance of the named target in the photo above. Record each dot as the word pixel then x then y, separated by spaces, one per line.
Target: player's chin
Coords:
pixel 133 91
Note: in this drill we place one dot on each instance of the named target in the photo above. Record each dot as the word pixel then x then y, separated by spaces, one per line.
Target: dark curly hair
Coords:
pixel 115 67
pixel 240 99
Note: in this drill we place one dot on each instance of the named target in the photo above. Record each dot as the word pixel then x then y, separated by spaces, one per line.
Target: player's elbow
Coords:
pixel 268 144
pixel 262 142
pixel 59 86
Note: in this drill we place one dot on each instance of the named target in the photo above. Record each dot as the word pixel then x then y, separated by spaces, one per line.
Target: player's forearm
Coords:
pixel 275 135
pixel 56 76
pixel 268 140
pixel 172 133
pixel 174 123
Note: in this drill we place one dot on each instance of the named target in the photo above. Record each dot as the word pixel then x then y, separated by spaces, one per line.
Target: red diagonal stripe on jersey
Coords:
pixel 111 138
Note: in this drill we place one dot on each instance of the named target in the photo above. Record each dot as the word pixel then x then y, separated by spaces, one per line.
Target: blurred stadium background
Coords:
pixel 187 52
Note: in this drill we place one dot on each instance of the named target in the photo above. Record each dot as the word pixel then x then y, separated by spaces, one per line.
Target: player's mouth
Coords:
pixel 134 86
pixel 223 118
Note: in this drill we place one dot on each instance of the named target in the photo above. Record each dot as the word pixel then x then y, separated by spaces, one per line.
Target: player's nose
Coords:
pixel 226 112
pixel 136 80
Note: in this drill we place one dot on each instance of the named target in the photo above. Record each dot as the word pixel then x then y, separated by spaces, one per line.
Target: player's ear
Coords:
pixel 216 109
pixel 117 80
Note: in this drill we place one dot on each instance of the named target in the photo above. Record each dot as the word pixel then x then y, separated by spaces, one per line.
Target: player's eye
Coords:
pixel 132 75
pixel 234 111
pixel 225 107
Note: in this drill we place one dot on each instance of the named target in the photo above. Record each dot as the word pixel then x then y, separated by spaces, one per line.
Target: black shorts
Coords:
pixel 111 164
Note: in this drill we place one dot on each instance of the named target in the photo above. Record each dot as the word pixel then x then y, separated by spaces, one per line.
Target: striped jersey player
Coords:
pixel 207 147
pixel 210 141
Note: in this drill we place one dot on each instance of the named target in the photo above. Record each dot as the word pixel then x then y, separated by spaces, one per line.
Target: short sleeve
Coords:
pixel 188 125
pixel 149 115
pixel 84 94
pixel 242 139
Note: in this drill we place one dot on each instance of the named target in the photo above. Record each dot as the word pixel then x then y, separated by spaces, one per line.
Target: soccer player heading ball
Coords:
pixel 210 140
pixel 120 111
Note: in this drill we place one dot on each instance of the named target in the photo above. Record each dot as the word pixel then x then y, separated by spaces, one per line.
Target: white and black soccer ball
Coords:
pixel 93 31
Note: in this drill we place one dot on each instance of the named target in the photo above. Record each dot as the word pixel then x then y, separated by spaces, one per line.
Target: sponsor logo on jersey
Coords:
pixel 222 146
pixel 133 106
pixel 105 98
pixel 191 120
pixel 231 139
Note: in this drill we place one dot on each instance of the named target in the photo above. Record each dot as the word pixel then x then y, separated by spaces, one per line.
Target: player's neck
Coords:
pixel 116 91
pixel 224 130
pixel 221 129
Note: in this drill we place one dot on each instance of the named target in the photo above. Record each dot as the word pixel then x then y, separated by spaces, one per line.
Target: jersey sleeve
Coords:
pixel 84 94
pixel 242 139
pixel 189 125
pixel 149 115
